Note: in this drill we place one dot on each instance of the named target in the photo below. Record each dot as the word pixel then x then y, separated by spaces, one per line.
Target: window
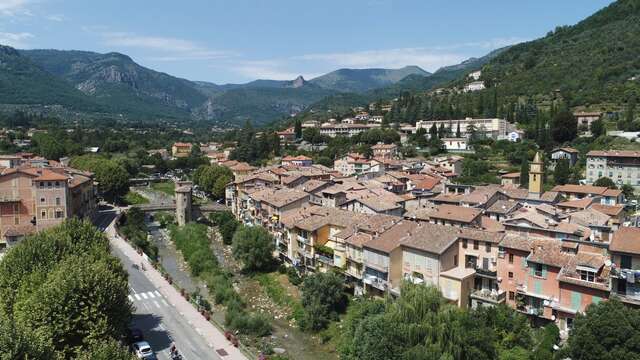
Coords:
pixel 487 247
pixel 57 201
pixel 510 258
pixel 57 184
pixel 587 275
pixel 41 185
pixel 625 261
pixel 476 244
pixel 455 260
pixel 510 275
pixel 464 243
pixel 43 214
pixel 512 295
pixel 538 270
pixel 42 200
pixel 59 214
pixel 49 184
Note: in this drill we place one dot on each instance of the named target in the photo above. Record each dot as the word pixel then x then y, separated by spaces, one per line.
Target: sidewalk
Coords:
pixel 214 337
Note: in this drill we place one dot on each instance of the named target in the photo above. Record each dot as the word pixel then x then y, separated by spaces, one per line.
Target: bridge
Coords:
pixel 148 180
pixel 213 207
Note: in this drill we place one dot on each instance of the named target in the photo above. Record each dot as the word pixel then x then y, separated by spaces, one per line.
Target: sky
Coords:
pixel 236 41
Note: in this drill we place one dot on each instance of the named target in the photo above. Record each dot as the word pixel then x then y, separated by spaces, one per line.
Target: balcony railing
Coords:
pixel 303 240
pixel 325 259
pixel 489 295
pixel 486 271
pixel 375 282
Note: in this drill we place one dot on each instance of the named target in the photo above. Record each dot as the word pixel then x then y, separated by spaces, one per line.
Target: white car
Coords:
pixel 143 350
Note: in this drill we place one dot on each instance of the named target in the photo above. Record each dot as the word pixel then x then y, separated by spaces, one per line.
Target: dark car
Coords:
pixel 135 335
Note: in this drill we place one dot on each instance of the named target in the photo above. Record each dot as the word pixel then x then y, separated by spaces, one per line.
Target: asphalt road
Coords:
pixel 160 322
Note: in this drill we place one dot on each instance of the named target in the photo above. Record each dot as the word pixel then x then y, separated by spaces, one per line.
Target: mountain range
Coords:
pixel 590 63
pixel 114 84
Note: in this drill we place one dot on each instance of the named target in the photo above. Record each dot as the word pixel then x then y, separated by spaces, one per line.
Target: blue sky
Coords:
pixel 243 40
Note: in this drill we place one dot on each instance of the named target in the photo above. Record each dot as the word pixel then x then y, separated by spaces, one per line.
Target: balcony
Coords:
pixel 353 272
pixel 376 282
pixel 486 272
pixel 491 296
pixel 304 240
pixel 324 259
pixel 305 253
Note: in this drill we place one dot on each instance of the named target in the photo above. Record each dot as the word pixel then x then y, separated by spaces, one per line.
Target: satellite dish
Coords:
pixel 607 262
pixel 553 317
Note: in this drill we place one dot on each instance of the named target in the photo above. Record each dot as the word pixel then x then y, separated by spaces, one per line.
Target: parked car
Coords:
pixel 134 335
pixel 143 350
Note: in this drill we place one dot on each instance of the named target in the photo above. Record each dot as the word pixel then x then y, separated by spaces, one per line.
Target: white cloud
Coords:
pixel 18 40
pixel 167 48
pixel 56 17
pixel 12 8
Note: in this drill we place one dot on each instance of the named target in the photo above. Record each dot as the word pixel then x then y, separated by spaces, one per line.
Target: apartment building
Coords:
pixel 625 256
pixel 385 151
pixel 32 199
pixel 342 129
pixel 550 280
pixel 623 167
pixel 491 128
pixel 181 149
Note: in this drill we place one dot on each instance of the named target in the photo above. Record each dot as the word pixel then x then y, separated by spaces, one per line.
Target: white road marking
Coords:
pixel 130 298
pixel 157 293
pixel 151 295
pixel 144 295
pixel 146 306
pixel 137 296
pixel 132 289
pixel 156 304
pixel 164 302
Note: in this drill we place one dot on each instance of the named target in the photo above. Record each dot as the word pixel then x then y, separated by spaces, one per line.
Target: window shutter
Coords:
pixel 576 300
pixel 537 287
pixel 524 262
pixel 596 299
pixel 544 271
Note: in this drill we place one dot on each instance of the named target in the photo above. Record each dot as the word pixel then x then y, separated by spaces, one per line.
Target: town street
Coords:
pixel 160 312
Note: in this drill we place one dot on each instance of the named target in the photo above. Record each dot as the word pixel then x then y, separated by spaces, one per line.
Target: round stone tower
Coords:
pixel 183 202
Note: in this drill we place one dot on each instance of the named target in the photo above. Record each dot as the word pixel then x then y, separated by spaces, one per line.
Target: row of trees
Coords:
pixel 63 295
pixel 213 179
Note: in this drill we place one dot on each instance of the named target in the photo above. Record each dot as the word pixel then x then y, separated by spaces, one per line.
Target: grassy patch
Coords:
pixel 165 187
pixel 133 198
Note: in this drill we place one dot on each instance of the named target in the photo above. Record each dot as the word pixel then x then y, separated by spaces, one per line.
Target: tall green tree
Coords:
pixel 323 298
pixel 607 331
pixel 524 171
pixel 561 172
pixel 564 127
pixel 297 129
pixel 254 246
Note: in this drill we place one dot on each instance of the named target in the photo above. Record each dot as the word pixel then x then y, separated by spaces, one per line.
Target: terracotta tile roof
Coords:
pixel 548 252
pixel 569 272
pixel 426 184
pixel 580 189
pixel 243 166
pixel 488 224
pixel 614 153
pixel 391 239
pixel 456 213
pixel 513 175
pixel 567 149
pixel 384 146
pixel 296 158
pixel 49 175
pixel 181 144
pixel 576 204
pixel 516 241
pixel 589 217
pixel 626 240
pixel 611 210
pixel 503 206
pixel 279 197
pixel 19 230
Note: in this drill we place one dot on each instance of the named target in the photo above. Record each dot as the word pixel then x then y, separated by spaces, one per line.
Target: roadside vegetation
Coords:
pixel 133 227
pixel 133 198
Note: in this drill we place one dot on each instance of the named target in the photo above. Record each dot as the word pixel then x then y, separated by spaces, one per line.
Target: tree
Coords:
pixel 73 294
pixel 323 298
pixel 213 179
pixel 297 129
pixel 433 131
pixel 561 172
pixel 524 170
pixel 254 246
pixel 112 178
pixel 458 133
pixel 628 191
pixel 597 128
pixel 605 182
pixel 607 331
pixel 564 127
